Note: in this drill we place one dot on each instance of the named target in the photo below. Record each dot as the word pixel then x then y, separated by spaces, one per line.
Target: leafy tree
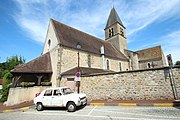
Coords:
pixel 13 61
pixel 10 64
pixel 5 69
pixel 177 62
pixel 5 87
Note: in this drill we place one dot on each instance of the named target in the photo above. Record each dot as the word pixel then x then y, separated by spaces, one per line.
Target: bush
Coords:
pixel 26 84
pixel 46 83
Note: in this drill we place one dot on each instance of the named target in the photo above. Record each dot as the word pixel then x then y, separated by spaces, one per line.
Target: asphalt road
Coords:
pixel 97 113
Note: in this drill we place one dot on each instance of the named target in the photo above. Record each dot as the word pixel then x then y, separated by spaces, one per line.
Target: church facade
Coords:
pixel 68 50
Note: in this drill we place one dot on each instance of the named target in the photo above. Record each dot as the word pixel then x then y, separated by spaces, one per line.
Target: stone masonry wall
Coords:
pixel 149 84
pixel 69 60
pixel 176 73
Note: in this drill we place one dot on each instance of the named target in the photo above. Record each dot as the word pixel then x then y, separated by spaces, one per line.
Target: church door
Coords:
pixel 71 84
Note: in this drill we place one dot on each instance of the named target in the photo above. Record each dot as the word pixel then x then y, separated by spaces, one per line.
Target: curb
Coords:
pixel 16 110
pixel 136 104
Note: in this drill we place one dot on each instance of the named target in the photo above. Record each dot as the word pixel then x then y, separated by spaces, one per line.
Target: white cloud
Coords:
pixel 139 14
pixel 171 45
pixel 90 16
pixel 33 16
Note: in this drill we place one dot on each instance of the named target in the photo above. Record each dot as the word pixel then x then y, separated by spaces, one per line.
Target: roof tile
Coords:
pixel 70 37
pixel 150 53
pixel 41 64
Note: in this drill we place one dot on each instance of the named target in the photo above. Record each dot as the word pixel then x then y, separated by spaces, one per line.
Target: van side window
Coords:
pixel 48 93
pixel 57 92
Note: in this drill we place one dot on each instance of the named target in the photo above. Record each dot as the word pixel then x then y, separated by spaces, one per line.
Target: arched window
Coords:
pixel 121 32
pixel 149 65
pixel 120 69
pixel 111 32
pixel 107 64
pixel 49 43
pixel 89 60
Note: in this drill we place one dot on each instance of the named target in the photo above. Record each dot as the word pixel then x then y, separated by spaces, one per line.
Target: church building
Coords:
pixel 68 51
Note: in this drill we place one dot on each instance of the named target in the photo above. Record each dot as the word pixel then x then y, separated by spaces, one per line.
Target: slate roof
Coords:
pixel 41 64
pixel 154 53
pixel 70 37
pixel 113 18
pixel 85 71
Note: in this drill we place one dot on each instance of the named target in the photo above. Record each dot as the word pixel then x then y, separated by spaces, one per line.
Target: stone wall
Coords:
pixel 176 73
pixel 19 95
pixel 70 59
pixel 148 84
pixel 153 64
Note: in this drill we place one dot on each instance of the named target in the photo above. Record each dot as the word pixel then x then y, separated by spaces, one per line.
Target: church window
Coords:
pixel 49 43
pixel 121 32
pixel 149 66
pixel 89 60
pixel 107 64
pixel 111 32
pixel 120 69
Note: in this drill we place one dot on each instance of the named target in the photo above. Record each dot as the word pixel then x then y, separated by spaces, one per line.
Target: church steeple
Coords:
pixel 115 32
pixel 113 18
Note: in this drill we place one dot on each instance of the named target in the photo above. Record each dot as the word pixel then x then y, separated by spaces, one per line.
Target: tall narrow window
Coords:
pixel 149 65
pixel 120 69
pixel 121 32
pixel 111 32
pixel 49 44
pixel 89 60
pixel 107 64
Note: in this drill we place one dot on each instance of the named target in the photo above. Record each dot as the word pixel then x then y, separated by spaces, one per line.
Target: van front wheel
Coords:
pixel 71 107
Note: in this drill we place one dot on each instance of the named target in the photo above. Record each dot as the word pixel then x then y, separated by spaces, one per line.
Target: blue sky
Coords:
pixel 23 23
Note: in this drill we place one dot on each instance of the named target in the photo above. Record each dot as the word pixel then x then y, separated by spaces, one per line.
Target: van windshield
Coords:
pixel 66 91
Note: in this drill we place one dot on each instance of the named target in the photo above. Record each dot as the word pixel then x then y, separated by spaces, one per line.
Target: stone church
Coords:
pixel 68 50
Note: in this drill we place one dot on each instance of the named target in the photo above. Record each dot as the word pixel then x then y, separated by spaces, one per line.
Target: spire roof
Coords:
pixel 113 18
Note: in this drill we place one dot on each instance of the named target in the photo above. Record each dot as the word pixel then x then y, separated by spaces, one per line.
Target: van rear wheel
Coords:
pixel 71 107
pixel 39 106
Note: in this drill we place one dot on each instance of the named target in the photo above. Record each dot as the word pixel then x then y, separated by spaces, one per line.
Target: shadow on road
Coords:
pixel 176 104
pixel 63 108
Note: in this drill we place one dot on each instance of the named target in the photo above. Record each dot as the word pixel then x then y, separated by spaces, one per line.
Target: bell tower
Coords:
pixel 115 32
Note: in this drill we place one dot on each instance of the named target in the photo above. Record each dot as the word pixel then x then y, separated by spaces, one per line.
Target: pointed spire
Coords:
pixel 113 18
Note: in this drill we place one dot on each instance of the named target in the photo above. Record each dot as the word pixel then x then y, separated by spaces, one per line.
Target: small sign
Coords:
pixel 169 59
pixel 78 74
pixel 77 78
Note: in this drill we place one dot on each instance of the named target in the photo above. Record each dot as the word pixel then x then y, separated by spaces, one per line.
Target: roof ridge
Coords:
pixel 149 48
pixel 102 40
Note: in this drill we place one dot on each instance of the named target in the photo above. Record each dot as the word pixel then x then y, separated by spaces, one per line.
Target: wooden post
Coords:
pixel 39 79
pixel 15 80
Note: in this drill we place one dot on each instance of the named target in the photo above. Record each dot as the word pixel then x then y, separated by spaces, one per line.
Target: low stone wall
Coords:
pixel 19 95
pixel 176 73
pixel 151 84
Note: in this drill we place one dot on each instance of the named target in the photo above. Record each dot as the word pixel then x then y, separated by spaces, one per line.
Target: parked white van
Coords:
pixel 59 97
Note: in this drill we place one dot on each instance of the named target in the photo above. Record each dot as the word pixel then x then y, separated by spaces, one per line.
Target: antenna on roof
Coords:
pixel 112 3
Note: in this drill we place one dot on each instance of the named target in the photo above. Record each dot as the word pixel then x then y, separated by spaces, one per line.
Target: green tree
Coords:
pixel 10 64
pixel 6 85
pixel 5 69
pixel 177 62
pixel 13 61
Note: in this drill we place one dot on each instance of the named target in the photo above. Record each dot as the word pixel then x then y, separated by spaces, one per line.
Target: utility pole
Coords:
pixel 169 58
pixel 78 74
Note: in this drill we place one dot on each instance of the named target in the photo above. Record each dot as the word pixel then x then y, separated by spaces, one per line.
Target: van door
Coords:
pixel 46 99
pixel 57 98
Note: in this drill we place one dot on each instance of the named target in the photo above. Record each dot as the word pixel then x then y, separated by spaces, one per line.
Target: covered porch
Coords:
pixel 36 72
